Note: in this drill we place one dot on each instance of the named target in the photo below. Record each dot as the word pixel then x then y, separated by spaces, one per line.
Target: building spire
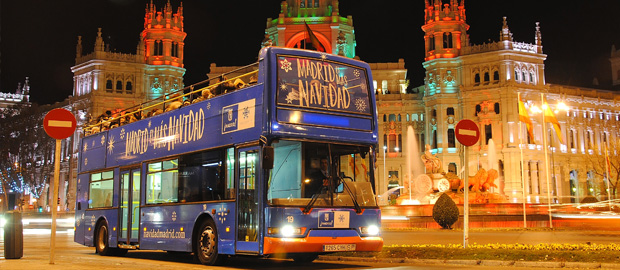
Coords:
pixel 99 41
pixel 505 34
pixel 78 48
pixel 538 37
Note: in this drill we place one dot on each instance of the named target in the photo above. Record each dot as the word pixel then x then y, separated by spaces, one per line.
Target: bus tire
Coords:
pixel 102 246
pixel 101 242
pixel 205 244
pixel 304 258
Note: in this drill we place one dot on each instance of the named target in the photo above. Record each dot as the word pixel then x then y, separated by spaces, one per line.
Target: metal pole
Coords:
pixel 466 200
pixel 385 180
pixel 544 129
pixel 54 200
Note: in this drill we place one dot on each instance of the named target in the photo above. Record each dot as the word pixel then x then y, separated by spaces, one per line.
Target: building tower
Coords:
pixel 112 81
pixel 445 34
pixel 162 42
pixel 334 33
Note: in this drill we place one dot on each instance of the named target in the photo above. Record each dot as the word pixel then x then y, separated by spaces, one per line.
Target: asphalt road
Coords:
pixel 70 255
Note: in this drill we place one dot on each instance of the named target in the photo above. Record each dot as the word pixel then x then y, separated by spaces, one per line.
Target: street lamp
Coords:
pixel 385 181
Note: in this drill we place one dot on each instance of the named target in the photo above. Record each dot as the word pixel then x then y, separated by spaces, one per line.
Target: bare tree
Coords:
pixel 597 162
pixel 25 150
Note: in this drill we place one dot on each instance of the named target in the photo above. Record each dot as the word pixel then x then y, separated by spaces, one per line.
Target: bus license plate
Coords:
pixel 342 247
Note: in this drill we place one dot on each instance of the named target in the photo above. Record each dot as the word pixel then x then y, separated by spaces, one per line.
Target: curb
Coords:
pixel 580 265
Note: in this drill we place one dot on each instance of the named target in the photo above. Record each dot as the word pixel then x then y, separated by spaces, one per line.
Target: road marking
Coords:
pixel 467 132
pixel 59 123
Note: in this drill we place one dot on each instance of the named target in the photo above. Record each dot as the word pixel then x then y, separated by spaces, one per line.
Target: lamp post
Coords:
pixel 385 180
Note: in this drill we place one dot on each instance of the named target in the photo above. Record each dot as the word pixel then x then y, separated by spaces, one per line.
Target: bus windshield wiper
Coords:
pixel 315 196
pixel 358 209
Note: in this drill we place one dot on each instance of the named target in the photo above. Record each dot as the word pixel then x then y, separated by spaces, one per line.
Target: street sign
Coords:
pixel 467 132
pixel 59 123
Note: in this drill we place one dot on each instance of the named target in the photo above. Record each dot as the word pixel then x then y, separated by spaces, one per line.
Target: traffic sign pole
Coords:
pixel 468 134
pixel 54 202
pixel 58 124
pixel 466 197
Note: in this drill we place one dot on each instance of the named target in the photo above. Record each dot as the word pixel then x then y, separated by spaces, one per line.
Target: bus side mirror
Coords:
pixel 267 157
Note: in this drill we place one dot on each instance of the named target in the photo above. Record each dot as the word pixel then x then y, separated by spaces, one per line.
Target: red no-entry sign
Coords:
pixel 467 132
pixel 59 124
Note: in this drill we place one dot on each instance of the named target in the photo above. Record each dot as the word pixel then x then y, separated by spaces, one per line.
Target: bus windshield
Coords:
pixel 306 170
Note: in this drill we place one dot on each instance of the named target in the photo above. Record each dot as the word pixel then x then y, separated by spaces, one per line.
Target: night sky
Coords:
pixel 38 37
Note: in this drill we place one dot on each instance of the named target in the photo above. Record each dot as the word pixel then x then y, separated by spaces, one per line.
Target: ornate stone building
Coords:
pixel 22 94
pixel 111 80
pixel 481 83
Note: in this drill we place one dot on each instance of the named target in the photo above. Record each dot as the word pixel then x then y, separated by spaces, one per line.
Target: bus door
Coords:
pixel 248 213
pixel 130 206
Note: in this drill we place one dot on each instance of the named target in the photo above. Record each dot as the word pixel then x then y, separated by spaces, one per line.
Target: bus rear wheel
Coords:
pixel 102 246
pixel 205 244
pixel 101 240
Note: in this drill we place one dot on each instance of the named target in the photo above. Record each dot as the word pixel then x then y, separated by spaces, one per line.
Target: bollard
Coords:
pixel 13 235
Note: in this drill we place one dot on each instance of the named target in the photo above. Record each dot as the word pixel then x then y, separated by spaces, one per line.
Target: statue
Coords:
pixel 431 162
pixel 267 41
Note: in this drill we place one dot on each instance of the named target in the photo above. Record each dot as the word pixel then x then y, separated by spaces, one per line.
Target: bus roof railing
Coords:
pixel 175 100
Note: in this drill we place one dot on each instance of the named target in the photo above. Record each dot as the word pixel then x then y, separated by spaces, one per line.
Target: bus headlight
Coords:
pixel 372 230
pixel 285 231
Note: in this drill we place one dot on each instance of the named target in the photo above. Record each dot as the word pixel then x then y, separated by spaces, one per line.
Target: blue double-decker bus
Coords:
pixel 280 164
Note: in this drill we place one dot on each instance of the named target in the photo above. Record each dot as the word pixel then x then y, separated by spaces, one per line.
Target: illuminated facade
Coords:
pixel 334 33
pixel 112 80
pixel 22 94
pixel 480 83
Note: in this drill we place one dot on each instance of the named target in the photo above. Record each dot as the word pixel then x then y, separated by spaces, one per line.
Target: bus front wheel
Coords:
pixel 206 244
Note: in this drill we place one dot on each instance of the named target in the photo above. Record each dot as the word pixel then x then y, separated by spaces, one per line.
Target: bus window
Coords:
pixel 200 177
pixel 230 173
pixel 161 182
pixel 101 189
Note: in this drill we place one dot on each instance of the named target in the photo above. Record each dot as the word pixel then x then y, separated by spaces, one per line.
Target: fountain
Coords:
pixel 424 186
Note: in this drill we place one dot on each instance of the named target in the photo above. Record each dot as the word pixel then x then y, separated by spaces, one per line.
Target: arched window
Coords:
pixel 525 77
pixel 451 138
pixel 517 75
pixel 486 77
pixel 434 139
pixel 174 49
pixel 434 113
pixel 478 109
pixel 477 79
pixel 384 118
pixel 532 81
pixel 450 111
pixel 488 131
pixel 447 40
pixel 407 115
pixel 392 118
pixel 496 107
pixel 128 87
pixel 496 76
pixel 108 85
pixel 158 49
pixel 571 135
pixel 431 42
pixel 399 119
pixel 119 86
